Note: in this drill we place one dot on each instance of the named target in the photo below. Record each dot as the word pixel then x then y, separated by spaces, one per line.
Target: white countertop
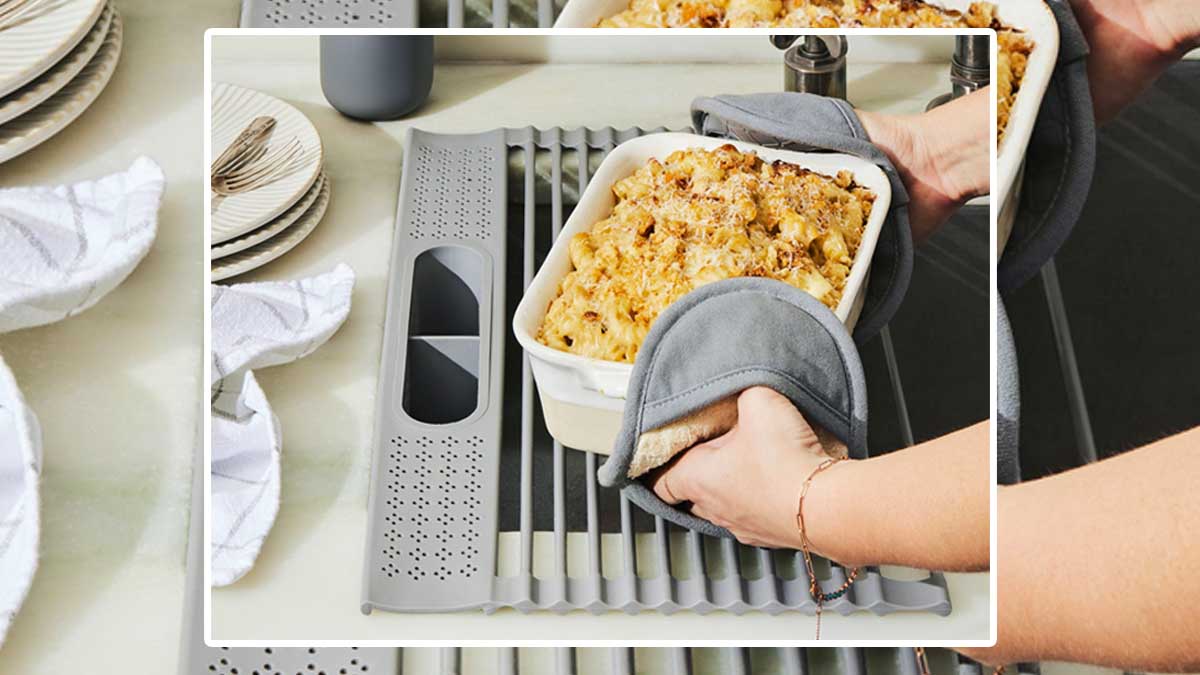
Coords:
pixel 118 388
pixel 307 581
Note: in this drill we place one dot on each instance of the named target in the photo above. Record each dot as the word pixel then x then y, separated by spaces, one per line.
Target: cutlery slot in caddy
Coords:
pixel 472 504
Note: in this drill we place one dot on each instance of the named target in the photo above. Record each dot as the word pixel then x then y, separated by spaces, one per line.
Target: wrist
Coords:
pixel 958 151
pixel 1172 27
pixel 830 509
pixel 933 152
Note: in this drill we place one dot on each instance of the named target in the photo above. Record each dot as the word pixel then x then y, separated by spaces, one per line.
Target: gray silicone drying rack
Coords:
pixel 196 658
pixel 399 13
pixel 477 214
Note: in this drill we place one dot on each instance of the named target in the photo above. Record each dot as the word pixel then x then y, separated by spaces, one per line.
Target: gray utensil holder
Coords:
pixel 376 77
pixel 473 224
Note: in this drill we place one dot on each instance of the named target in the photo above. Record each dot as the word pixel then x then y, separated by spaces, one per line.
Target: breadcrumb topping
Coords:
pixel 696 217
pixel 1014 48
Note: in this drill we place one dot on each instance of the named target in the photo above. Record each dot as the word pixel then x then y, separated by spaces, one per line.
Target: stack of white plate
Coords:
pixel 54 63
pixel 253 228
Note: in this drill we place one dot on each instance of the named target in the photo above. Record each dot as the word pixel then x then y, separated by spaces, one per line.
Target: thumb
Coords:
pixel 764 409
pixel 678 481
pixel 759 404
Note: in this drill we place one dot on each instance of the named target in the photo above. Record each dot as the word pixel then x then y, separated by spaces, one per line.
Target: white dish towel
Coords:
pixel 62 249
pixel 254 326
pixel 20 462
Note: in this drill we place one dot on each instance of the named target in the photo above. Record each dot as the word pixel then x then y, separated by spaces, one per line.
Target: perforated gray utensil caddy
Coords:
pixel 459 441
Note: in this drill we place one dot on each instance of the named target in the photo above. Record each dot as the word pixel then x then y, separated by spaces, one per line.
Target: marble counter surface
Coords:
pixel 307 582
pixel 118 388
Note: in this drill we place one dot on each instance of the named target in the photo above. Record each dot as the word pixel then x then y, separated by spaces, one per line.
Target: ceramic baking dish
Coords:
pixel 1037 21
pixel 1031 16
pixel 582 398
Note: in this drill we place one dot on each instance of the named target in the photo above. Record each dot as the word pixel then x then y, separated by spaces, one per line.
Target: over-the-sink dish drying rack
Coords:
pixel 56 58
pixel 472 504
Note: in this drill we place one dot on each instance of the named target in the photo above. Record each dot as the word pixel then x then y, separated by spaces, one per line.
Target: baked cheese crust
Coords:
pixel 696 217
pixel 1014 48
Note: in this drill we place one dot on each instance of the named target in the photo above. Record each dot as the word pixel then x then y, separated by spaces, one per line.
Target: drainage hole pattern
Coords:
pixel 432 499
pixel 330 12
pixel 453 193
pixel 289 661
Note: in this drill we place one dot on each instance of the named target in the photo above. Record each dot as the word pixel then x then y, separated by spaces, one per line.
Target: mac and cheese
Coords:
pixel 696 217
pixel 1014 48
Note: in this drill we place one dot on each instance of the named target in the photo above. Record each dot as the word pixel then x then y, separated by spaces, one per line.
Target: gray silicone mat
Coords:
pixel 196 658
pixel 399 13
pixel 488 511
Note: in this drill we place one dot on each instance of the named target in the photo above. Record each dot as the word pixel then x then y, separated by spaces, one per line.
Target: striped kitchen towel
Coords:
pixel 62 249
pixel 254 326
pixel 20 459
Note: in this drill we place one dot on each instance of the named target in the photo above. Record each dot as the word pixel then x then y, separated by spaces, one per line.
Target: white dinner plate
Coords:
pixel 234 108
pixel 64 106
pixel 31 47
pixel 274 227
pixel 43 86
pixel 257 256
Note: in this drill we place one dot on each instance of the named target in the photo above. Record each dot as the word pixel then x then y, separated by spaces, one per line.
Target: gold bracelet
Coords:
pixel 819 596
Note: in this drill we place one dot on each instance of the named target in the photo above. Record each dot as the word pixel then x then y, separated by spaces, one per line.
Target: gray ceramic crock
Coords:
pixel 376 77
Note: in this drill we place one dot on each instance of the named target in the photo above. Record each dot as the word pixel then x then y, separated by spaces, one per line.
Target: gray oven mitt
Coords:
pixel 1008 402
pixel 811 123
pixel 1059 160
pixel 693 361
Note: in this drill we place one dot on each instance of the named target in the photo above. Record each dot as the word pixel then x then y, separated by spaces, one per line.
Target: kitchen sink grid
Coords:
pixel 399 13
pixel 472 504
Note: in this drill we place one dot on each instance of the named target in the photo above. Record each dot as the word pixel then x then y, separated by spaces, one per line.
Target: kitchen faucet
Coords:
pixel 970 68
pixel 817 65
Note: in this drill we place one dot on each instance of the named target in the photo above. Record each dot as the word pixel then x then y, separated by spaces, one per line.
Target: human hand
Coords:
pixel 941 155
pixel 748 480
pixel 1132 43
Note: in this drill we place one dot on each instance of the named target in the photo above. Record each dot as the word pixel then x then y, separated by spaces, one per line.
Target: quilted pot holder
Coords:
pixel 691 368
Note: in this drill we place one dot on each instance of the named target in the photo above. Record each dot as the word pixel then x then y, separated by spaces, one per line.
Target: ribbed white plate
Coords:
pixel 64 106
pixel 44 86
pixel 257 256
pixel 33 46
pixel 235 107
pixel 274 227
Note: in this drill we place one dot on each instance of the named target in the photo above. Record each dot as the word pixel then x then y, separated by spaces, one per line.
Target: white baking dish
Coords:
pixel 1036 19
pixel 582 397
pixel 1031 16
